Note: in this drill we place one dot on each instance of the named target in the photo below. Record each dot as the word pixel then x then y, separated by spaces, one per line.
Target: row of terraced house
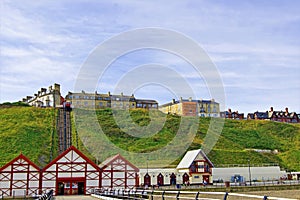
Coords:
pixel 183 107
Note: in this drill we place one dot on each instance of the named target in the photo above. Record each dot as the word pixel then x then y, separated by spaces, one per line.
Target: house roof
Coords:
pixel 261 115
pixel 189 157
pixel 111 159
pixel 21 156
pixel 72 148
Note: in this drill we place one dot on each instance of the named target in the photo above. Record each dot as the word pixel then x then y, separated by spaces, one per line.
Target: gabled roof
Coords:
pixel 111 159
pixel 189 158
pixel 72 148
pixel 21 156
pixel 261 115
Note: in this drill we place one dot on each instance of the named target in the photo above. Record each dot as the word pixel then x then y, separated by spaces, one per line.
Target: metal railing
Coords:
pixel 166 194
pixel 47 196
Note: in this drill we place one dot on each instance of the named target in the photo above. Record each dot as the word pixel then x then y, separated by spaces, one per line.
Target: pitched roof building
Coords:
pixel 19 177
pixel 279 116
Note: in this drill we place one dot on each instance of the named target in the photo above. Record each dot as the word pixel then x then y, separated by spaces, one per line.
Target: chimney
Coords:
pixel 108 93
pixel 181 99
pixel 190 98
pixel 287 110
pixel 229 110
pixel 173 101
pixel 122 94
pixel 271 109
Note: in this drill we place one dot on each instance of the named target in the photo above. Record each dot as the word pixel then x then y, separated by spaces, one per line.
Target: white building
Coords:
pixel 45 98
pixel 242 174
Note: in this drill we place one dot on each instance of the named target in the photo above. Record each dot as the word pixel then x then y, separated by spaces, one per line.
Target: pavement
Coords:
pixel 77 197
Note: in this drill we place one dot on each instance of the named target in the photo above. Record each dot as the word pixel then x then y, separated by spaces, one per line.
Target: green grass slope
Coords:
pixel 30 130
pixel 235 145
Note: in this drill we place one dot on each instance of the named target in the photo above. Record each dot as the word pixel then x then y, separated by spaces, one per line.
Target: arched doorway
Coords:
pixel 147 180
pixel 160 179
pixel 186 179
pixel 173 179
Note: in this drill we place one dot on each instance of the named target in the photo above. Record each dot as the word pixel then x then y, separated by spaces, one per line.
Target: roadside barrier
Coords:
pixel 109 194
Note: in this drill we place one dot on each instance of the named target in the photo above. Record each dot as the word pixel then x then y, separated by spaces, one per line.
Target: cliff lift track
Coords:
pixel 64 129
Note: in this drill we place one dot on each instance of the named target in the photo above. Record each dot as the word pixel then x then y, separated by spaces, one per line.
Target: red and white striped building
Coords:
pixel 117 172
pixel 71 173
pixel 19 177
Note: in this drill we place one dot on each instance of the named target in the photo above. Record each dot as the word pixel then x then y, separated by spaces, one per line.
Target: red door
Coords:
pixel 147 180
pixel 173 179
pixel 186 179
pixel 205 179
pixel 160 179
pixel 70 186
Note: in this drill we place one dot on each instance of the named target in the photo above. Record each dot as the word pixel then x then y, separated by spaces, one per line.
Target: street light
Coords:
pixel 249 171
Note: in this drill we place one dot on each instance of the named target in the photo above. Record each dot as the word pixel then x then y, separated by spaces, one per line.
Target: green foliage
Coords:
pixel 10 104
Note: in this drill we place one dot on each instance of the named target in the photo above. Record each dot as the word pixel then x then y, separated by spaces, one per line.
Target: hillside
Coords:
pixel 30 130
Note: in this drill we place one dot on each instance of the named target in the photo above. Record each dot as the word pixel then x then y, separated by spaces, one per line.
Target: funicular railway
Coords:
pixel 64 130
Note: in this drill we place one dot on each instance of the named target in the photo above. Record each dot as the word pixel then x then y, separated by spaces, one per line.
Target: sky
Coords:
pixel 254 45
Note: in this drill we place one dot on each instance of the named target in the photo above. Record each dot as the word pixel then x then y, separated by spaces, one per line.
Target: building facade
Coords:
pixel 96 100
pixel 117 172
pixel 19 177
pixel 45 98
pixel 232 114
pixel 71 173
pixel 279 116
pixel 190 107
pixel 197 166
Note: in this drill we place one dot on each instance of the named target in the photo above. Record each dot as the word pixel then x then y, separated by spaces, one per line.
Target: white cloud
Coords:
pixel 255 45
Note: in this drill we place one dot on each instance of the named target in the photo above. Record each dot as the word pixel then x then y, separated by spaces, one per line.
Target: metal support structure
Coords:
pixel 197 196
pixel 249 172
pixel 163 195
pixel 225 196
pixel 177 196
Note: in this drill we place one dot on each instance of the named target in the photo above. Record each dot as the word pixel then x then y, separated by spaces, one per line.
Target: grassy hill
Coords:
pixel 27 130
pixel 31 131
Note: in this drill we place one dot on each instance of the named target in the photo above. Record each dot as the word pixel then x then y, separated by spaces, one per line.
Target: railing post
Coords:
pixel 197 195
pixel 177 196
pixel 225 196
pixel 142 195
pixel 135 194
pixel 152 194
pixel 128 194
pixel 163 195
pixel 265 198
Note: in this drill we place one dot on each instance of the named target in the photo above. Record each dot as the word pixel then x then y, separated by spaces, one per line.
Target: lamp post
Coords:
pixel 249 171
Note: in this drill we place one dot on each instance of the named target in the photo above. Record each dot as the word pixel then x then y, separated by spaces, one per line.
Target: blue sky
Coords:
pixel 255 46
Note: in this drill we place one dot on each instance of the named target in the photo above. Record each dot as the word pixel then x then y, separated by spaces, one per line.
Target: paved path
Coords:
pixel 78 197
